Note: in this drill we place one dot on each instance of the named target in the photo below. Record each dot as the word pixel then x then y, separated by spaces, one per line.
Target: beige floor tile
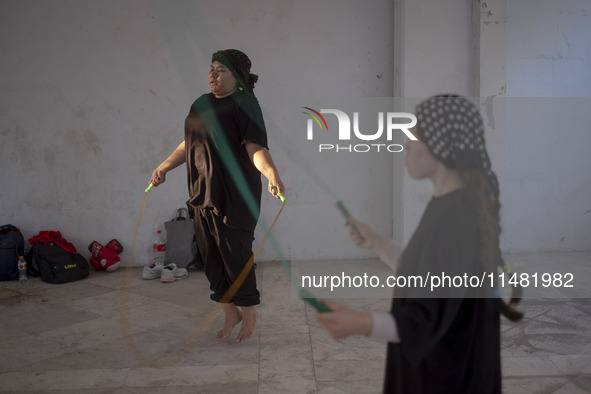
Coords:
pixel 351 387
pixel 286 364
pixel 571 388
pixel 105 335
pixel 73 391
pixel 573 364
pixel 123 277
pixel 109 304
pixel 17 353
pixel 63 379
pixel 154 314
pixel 533 385
pixel 46 317
pixel 207 351
pixel 193 375
pixel 88 333
pixel 114 353
pixel 352 348
pixel 529 366
pixel 284 316
pixel 290 354
pixel 221 388
pixel 328 371
pixel 583 382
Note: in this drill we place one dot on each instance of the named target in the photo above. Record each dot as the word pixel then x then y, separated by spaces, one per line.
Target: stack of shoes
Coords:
pixel 167 274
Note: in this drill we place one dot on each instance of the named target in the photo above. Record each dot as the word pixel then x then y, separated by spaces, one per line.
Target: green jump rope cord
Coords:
pixel 233 168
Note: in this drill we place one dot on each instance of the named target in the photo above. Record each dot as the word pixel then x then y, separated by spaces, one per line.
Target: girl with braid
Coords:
pixel 448 341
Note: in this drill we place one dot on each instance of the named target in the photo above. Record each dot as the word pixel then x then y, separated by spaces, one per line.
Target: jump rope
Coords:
pixel 236 173
pixel 177 354
pixel 238 178
pixel 303 293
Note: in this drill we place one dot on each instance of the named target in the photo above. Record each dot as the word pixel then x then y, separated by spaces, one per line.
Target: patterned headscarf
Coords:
pixel 239 64
pixel 452 129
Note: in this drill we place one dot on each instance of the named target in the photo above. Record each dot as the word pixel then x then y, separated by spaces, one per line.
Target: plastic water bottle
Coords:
pixel 159 248
pixel 22 270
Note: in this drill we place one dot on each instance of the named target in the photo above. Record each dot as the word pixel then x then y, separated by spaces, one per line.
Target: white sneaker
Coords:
pixel 181 273
pixel 152 271
pixel 171 272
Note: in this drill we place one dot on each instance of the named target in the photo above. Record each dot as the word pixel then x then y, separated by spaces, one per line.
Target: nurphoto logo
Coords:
pixel 392 120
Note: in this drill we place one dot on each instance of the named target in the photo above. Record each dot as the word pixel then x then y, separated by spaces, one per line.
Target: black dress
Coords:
pixel 447 344
pixel 225 189
pixel 237 120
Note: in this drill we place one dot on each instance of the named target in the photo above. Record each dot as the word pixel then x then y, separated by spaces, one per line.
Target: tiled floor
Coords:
pixel 117 333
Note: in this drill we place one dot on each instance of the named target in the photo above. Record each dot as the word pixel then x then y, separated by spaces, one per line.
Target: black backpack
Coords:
pixel 54 264
pixel 12 245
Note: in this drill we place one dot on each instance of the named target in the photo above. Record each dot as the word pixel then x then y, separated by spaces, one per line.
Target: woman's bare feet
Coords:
pixel 250 318
pixel 233 317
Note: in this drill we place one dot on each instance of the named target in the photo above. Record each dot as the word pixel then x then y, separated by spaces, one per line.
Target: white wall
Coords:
pixel 93 96
pixel 530 63
pixel 435 44
pixel 547 188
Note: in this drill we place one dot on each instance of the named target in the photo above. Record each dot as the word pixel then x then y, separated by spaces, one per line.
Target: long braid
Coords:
pixel 451 126
pixel 487 206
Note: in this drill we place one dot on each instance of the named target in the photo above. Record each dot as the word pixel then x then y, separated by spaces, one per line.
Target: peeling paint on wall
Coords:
pixel 490 116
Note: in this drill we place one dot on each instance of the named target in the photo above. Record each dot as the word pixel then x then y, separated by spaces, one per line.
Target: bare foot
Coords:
pixel 249 323
pixel 233 317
